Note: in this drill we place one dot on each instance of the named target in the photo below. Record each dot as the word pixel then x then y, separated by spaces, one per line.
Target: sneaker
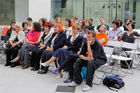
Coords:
pixel 68 80
pixel 86 88
pixel 55 71
pixel 72 84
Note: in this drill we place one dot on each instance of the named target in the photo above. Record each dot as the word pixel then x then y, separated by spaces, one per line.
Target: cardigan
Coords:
pixel 20 36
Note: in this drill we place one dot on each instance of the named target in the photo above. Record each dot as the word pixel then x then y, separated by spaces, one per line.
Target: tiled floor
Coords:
pixel 17 80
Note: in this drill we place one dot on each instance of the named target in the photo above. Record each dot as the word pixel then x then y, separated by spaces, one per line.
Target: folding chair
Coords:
pixel 135 53
pixel 114 43
pixel 1 53
pixel 117 45
pixel 119 58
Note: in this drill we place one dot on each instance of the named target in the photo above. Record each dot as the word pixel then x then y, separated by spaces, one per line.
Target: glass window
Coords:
pixel 109 9
pixel 7 11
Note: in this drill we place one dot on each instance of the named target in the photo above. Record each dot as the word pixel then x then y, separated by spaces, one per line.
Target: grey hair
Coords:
pixel 19 24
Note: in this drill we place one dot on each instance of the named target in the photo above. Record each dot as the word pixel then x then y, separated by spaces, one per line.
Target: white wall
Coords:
pixel 39 9
pixel 21 10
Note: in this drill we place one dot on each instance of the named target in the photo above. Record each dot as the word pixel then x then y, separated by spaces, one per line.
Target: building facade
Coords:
pixel 19 10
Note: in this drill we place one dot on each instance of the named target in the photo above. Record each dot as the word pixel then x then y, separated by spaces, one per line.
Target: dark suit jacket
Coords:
pixel 59 41
pixel 75 45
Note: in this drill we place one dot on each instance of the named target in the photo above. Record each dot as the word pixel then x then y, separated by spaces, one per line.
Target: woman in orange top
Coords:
pixel 101 36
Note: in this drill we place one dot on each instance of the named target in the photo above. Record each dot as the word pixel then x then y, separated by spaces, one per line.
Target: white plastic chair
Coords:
pixel 119 58
pixel 114 43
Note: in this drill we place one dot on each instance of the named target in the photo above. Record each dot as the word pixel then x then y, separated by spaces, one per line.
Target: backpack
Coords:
pixel 113 81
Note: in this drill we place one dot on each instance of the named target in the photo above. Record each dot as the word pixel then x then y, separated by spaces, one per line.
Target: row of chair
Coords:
pixel 118 46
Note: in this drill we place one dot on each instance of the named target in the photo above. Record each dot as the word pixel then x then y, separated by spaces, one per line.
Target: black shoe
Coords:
pixel 7 64
pixel 34 69
pixel 41 72
pixel 13 65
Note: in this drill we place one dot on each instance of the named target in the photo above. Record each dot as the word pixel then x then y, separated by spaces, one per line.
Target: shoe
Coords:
pixel 25 66
pixel 13 65
pixel 68 80
pixel 41 72
pixel 43 64
pixel 72 84
pixel 86 88
pixel 55 71
pixel 7 64
pixel 34 69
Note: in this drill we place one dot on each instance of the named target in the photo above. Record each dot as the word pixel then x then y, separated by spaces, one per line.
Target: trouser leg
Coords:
pixel 91 68
pixel 77 70
pixel 8 55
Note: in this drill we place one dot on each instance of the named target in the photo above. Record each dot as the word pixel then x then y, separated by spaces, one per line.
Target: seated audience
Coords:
pixel 57 41
pixel 43 40
pixel 72 46
pixel 91 56
pixel 30 45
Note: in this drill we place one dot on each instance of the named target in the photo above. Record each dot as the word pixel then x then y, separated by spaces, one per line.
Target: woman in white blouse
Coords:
pixel 15 42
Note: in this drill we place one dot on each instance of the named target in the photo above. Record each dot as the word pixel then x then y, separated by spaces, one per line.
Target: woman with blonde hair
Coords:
pixel 58 21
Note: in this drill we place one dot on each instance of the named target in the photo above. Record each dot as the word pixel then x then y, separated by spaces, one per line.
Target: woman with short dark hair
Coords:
pixel 115 33
pixel 25 28
pixel 130 35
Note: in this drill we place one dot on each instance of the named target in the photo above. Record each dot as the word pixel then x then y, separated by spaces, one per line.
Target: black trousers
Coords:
pixel 35 58
pixel 11 53
pixel 91 67
pixel 69 63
